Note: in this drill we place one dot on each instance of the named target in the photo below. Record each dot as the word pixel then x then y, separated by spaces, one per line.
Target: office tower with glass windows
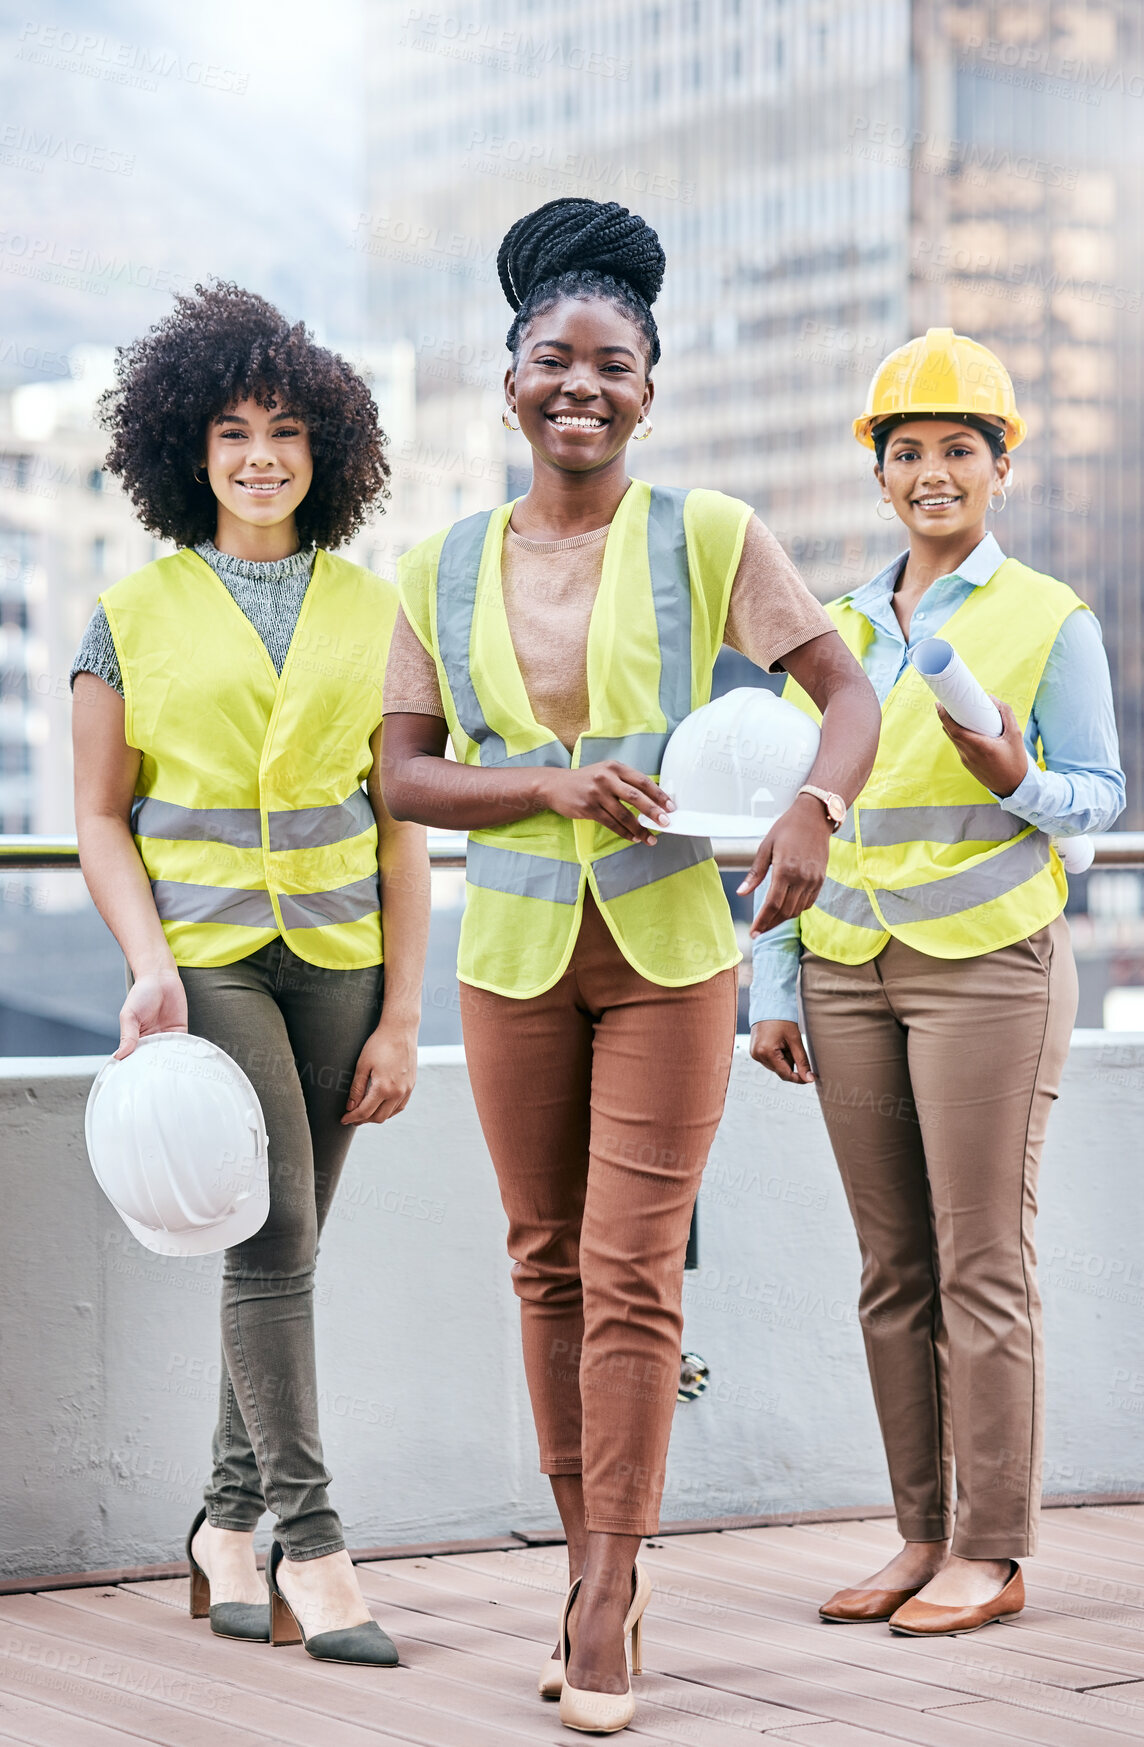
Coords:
pixel 827 178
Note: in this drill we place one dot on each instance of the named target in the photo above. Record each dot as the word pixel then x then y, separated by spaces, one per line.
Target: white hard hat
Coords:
pixel 735 765
pixel 177 1141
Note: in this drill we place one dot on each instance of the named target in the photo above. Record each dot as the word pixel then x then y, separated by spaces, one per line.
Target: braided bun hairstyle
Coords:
pixel 582 248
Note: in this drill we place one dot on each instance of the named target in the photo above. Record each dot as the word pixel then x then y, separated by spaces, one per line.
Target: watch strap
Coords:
pixel 829 801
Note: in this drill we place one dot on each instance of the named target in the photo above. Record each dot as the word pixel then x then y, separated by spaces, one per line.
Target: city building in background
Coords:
pixel 66 531
pixel 827 178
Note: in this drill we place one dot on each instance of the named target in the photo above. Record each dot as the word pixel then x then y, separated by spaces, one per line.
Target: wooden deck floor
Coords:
pixel 733 1650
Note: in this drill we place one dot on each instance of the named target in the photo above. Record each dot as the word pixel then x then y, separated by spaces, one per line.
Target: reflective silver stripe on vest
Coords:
pixel 458 569
pixel 847 904
pixel 845 833
pixel 642 751
pixel 318 827
pixel 641 865
pixel 522 875
pixel 981 822
pixel 241 827
pixel 177 901
pixel 671 596
pixel 319 909
pixel 956 892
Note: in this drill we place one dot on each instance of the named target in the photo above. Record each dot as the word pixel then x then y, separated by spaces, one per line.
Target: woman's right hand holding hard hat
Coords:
pixel 777 1044
pixel 156 1001
pixel 611 793
pixel 794 852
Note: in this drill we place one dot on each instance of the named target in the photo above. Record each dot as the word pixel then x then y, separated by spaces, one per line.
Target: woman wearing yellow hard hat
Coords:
pixel 938 984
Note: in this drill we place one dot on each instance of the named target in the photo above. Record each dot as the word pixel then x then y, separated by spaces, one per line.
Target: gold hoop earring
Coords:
pixel 642 436
pixel 198 481
pixel 878 511
pixel 507 422
pixel 998 507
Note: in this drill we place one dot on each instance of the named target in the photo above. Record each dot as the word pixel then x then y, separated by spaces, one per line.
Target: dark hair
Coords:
pixel 221 346
pixel 582 248
pixel 994 434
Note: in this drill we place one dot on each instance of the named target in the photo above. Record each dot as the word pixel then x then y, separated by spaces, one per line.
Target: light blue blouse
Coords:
pixel 1083 787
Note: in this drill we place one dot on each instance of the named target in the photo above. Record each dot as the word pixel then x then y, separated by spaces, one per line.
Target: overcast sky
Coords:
pixel 144 147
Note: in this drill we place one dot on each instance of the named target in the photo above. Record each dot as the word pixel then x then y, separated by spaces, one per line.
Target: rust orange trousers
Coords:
pixel 599 1101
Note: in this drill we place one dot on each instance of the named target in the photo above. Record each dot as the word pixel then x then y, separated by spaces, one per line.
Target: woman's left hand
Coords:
pixel 1002 763
pixel 794 852
pixel 385 1074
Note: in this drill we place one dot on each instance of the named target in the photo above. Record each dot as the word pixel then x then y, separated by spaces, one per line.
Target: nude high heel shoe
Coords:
pixel 551 1680
pixel 604 1713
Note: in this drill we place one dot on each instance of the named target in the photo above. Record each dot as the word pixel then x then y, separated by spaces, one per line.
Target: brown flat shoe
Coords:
pixel 851 1607
pixel 923 1619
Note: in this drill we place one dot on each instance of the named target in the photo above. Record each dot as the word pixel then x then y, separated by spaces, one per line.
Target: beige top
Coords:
pixel 549 590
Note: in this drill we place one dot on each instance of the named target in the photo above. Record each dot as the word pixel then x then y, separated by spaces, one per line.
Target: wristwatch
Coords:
pixel 834 804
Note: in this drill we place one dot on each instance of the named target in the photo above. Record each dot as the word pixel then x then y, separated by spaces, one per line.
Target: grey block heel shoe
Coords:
pixel 366 1643
pixel 229 1619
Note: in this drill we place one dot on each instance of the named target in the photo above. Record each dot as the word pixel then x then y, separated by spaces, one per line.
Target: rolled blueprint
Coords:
pixel 970 705
pixel 955 688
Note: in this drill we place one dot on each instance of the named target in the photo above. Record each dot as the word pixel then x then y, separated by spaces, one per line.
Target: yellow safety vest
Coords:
pixel 250 816
pixel 926 854
pixel 656 628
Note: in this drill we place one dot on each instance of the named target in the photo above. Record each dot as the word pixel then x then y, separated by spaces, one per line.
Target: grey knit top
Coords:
pixel 270 594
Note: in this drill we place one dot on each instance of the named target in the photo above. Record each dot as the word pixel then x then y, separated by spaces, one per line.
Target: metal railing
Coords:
pixel 447 850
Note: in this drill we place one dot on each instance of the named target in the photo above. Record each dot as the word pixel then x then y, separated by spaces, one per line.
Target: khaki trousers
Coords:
pixel 936 1077
pixel 599 1101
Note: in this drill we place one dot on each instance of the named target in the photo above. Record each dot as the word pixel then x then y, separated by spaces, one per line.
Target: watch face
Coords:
pixel 836 807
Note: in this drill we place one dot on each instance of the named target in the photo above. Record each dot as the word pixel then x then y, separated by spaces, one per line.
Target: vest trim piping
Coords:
pixel 848 904
pixel 458 571
pixel 640 865
pixel 671 598
pixel 980 822
pixel 522 875
pixel 956 892
pixel 179 901
pixel 241 827
pixel 343 904
pixel 642 751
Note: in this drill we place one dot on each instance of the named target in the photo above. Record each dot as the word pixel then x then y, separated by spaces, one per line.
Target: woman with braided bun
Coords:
pixel 558 640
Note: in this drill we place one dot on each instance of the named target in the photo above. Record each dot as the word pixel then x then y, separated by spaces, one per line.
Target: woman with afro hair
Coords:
pixel 558 640
pixel 227 710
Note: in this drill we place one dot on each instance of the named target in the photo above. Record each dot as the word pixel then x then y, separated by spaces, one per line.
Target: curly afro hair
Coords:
pixel 219 347
pixel 582 248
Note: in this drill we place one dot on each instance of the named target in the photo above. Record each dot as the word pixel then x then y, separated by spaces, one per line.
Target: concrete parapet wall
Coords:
pixel 110 1354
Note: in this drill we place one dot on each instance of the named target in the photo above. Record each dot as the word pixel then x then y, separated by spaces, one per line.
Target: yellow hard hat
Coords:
pixel 944 372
